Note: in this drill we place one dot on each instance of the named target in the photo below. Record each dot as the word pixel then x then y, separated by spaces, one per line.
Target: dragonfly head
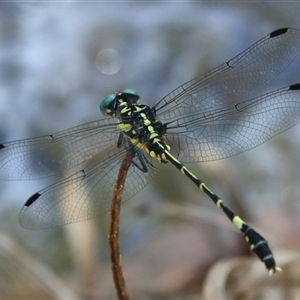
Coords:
pixel 110 103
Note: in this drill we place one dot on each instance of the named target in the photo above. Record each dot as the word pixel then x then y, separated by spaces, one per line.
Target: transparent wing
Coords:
pixel 223 132
pixel 206 118
pixel 235 80
pixel 47 155
pixel 83 195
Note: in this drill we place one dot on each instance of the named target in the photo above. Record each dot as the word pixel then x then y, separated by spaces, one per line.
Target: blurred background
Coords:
pixel 57 61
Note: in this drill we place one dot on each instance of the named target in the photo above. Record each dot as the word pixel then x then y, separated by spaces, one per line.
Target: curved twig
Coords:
pixel 113 236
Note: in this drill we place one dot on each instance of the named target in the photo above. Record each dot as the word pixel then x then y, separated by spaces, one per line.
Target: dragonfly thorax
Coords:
pixel 145 131
pixel 137 121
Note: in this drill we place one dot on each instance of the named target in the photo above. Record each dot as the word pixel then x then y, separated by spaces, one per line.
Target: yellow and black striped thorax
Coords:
pixel 137 121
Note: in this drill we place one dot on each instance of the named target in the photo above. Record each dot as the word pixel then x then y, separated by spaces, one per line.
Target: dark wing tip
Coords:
pixel 32 199
pixel 2 146
pixel 278 32
pixel 295 87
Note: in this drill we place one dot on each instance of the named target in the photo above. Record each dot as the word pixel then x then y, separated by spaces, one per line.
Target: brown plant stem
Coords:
pixel 113 236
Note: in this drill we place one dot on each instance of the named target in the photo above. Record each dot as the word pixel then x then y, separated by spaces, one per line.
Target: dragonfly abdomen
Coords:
pixel 256 242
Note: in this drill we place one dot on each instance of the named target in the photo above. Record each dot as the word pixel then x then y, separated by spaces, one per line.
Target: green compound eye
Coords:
pixel 133 93
pixel 106 102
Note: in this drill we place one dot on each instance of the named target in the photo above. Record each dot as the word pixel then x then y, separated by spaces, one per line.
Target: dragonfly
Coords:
pixel 208 118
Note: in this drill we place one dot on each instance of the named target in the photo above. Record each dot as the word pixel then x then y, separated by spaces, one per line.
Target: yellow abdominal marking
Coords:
pixel 183 170
pixel 238 222
pixel 220 204
pixel 252 247
pixel 203 186
pixel 150 128
pixel 147 122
